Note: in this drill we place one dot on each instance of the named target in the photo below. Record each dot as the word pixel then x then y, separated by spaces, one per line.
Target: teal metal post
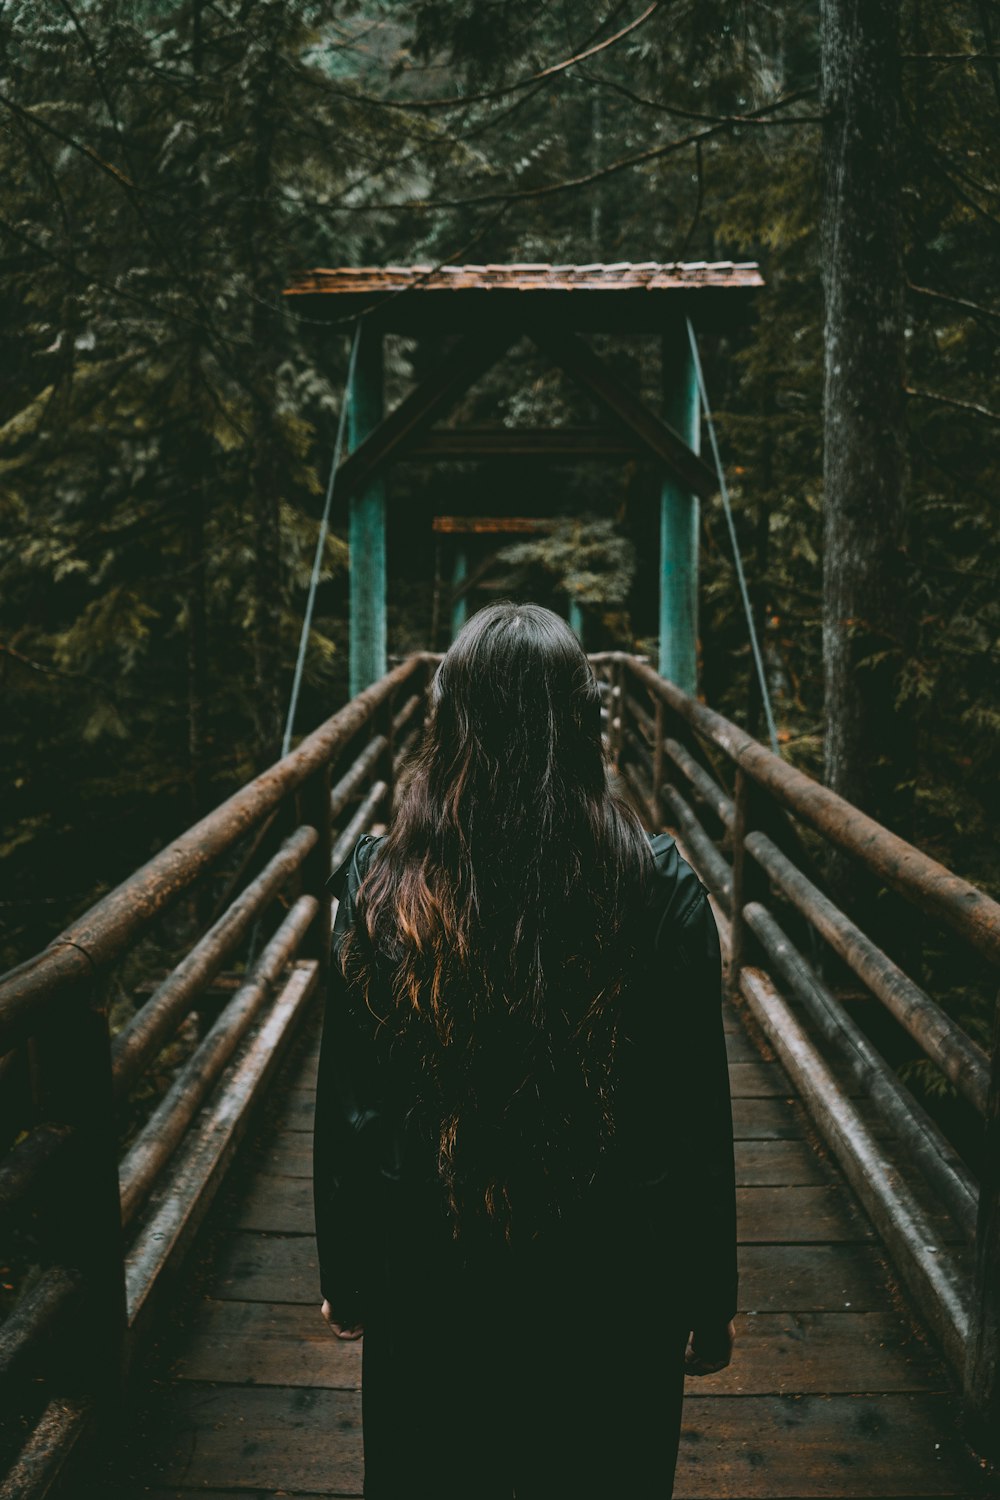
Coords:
pixel 576 616
pixel 366 525
pixel 679 521
pixel 459 605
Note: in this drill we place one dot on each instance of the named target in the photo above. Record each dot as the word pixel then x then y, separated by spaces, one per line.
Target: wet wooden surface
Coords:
pixel 833 1391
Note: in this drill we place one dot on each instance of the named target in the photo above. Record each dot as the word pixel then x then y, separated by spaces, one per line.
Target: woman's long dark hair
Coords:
pixel 503 894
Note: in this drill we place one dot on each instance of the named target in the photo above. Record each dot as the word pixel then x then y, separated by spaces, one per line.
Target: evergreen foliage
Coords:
pixel 166 421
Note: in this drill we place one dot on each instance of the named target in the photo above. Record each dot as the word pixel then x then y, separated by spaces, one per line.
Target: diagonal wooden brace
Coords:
pixel 407 422
pixel 591 373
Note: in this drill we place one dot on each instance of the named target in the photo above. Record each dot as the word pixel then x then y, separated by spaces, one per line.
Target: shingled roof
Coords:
pixel 422 296
pixel 650 276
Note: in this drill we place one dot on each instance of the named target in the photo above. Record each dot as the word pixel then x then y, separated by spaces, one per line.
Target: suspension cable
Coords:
pixel 320 545
pixel 727 507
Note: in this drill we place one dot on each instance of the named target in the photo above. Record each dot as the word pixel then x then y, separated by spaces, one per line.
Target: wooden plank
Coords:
pixel 799 1215
pixel 773 1278
pixel 785 1119
pixel 287 1154
pixel 825 1352
pixel 297 1111
pixel 266 1268
pixel 243 1437
pixel 266 1343
pixel 758 1080
pixel 774 1163
pixel 592 374
pixel 488 525
pixel 811 1278
pixel 766 1119
pixel 764 1447
pixel 255 1343
pixel 304 1079
pixel 772 1447
pixel 283 1205
pixel 739 1046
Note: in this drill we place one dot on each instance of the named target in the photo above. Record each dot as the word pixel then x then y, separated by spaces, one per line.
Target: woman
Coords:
pixel 523 1156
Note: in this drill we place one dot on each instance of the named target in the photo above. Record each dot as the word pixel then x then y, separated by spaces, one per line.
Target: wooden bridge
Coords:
pixel 158 1227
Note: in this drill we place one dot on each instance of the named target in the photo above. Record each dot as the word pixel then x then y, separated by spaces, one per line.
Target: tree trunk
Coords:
pixel 267 591
pixel 866 745
pixel 197 645
pixel 265 493
pixel 196 461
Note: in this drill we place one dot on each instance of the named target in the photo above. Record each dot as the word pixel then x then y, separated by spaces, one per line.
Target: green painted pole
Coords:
pixel 576 616
pixel 460 605
pixel 679 521
pixel 366 525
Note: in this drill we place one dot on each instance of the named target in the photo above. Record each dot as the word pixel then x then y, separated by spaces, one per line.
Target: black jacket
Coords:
pixel 672 1109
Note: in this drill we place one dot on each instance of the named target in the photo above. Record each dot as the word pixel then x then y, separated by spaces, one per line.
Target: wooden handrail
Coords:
pixel 766 794
pixel 112 1244
pixel 929 885
pixel 113 923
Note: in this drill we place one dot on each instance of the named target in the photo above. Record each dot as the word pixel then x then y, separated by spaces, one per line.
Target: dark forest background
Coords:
pixel 167 418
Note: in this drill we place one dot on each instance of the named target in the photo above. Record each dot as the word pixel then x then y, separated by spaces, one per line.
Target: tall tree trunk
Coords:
pixel 864 577
pixel 196 460
pixel 265 494
pixel 267 588
pixel 197 640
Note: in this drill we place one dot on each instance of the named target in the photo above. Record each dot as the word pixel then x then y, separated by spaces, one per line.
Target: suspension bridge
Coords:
pixel 164 1337
pixel 176 1270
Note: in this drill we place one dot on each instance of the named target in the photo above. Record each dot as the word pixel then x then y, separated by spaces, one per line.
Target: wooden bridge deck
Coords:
pixel 833 1390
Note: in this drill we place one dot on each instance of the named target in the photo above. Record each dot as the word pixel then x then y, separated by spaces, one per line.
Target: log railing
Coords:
pixel 98 1210
pixel 759 831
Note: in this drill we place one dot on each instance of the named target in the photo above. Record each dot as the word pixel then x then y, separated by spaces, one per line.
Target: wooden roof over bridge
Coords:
pixel 622 298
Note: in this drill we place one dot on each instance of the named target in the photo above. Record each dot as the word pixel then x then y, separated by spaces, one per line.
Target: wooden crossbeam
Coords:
pixel 468 524
pixel 527 442
pixel 592 374
pixel 407 422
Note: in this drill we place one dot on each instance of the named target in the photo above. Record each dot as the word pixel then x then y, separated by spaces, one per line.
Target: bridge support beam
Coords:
pixel 679 522
pixel 575 617
pixel 366 524
pixel 460 592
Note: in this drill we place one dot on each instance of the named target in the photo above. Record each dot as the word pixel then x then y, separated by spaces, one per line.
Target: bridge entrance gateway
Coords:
pixel 488 309
pixel 866 1353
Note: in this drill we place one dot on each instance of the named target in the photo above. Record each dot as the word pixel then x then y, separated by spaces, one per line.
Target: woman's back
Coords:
pixel 597 1308
pixel 523 1136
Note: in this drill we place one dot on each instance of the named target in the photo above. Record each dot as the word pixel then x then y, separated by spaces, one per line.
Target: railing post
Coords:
pixel 82 1205
pixel 314 810
pixel 616 706
pixel 738 929
pixel 383 725
pixel 982 1367
pixel 657 759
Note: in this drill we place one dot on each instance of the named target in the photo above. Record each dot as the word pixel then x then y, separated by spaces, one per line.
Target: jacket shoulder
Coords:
pixel 677 896
pixel 351 871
